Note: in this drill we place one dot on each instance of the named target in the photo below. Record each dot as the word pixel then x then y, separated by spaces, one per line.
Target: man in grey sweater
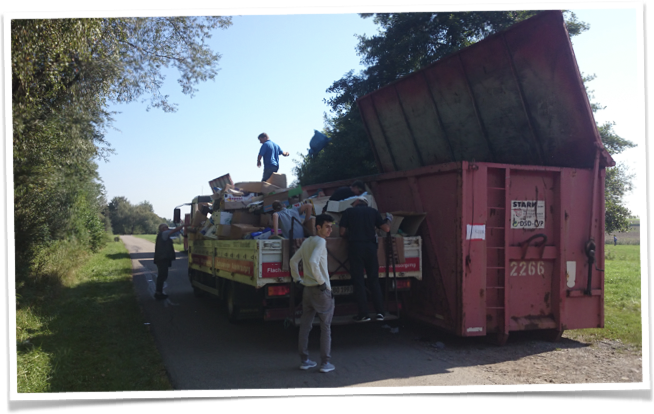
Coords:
pixel 317 297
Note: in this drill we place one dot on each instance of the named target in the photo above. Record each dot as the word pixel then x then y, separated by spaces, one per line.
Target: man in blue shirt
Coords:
pixel 270 153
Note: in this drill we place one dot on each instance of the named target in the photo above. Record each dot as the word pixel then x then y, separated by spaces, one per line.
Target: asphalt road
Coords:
pixel 203 351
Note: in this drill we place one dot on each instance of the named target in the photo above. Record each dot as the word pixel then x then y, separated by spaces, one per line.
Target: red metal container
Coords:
pixel 498 145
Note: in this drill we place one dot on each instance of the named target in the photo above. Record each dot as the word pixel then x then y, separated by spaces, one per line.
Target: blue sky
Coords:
pixel 276 66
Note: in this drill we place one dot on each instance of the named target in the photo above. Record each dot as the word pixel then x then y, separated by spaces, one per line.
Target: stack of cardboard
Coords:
pixel 242 210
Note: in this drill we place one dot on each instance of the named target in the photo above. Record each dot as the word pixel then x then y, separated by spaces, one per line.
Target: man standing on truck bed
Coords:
pixel 270 153
pixel 358 226
pixel 317 295
pixel 164 254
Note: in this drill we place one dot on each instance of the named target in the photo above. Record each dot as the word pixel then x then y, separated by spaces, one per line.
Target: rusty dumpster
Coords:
pixel 497 144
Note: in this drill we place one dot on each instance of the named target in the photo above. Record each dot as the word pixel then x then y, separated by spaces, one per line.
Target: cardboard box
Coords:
pixel 223 231
pixel 280 195
pixel 231 202
pixel 265 220
pixel 409 222
pixel 198 219
pixel 245 217
pixel 277 179
pixel 310 227
pixel 259 187
pixel 217 184
pixel 339 206
pixel 222 217
pixel 239 231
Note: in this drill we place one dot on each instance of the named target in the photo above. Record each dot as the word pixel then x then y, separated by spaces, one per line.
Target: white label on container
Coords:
pixel 476 329
pixel 476 232
pixel 527 214
pixel 570 273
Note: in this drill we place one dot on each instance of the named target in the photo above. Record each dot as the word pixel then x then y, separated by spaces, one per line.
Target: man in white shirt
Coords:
pixel 317 297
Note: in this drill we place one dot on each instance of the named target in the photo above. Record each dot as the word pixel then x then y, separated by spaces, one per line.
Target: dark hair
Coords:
pixel 322 218
pixel 360 185
pixel 277 206
pixel 263 135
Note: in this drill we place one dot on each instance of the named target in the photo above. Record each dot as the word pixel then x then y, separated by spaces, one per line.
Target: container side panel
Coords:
pixel 451 92
pixel 394 127
pixel 476 255
pixel 423 120
pixel 499 103
pixel 559 108
pixel 516 97
pixel 439 195
pixel 582 310
pixel 376 135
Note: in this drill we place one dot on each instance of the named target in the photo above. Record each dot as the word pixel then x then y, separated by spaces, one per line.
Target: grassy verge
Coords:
pixel 87 334
pixel 178 243
pixel 622 311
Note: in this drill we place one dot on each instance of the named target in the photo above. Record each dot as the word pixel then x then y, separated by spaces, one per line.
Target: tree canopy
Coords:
pixel 65 73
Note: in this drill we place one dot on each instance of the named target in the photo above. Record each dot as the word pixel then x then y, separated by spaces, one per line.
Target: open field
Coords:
pixel 622 307
pixel 178 243
pixel 630 237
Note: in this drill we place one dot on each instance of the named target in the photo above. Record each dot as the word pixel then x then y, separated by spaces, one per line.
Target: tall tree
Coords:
pixel 618 181
pixel 405 42
pixel 64 74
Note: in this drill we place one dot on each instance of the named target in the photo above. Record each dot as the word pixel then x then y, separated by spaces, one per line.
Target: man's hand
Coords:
pixel 322 287
pixel 286 154
pixel 259 163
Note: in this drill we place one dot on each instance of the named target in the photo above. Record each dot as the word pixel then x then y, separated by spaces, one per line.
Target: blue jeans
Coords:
pixel 267 172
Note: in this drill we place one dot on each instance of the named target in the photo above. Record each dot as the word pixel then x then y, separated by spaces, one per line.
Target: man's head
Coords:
pixel 324 223
pixel 263 137
pixel 358 187
pixel 163 227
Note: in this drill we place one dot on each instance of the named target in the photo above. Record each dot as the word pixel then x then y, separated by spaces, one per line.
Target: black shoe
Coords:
pixel 160 296
pixel 360 318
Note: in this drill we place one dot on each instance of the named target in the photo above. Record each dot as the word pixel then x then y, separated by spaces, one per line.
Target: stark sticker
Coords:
pixel 527 214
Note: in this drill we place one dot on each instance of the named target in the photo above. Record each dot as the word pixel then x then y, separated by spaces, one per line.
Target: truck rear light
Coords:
pixel 402 284
pixel 282 290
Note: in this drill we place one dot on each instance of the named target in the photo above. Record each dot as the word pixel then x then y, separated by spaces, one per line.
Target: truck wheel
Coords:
pixel 197 292
pixel 232 304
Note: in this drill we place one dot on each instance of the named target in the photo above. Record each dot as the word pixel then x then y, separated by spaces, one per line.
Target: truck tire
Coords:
pixel 232 303
pixel 197 292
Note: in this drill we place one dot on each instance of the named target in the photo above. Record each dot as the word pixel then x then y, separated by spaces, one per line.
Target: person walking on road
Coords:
pixel 317 297
pixel 164 254
pixel 270 153
pixel 358 225
pixel 615 240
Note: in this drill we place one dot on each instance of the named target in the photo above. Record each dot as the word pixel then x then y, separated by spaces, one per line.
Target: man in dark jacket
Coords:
pixel 358 225
pixel 164 254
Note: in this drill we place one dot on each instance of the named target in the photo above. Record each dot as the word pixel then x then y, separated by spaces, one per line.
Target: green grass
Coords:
pixel 178 244
pixel 622 308
pixel 87 333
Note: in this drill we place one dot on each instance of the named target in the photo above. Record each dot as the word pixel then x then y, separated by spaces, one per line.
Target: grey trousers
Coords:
pixel 322 303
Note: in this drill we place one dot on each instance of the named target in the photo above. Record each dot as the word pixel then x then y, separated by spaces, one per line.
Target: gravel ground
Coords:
pixel 526 360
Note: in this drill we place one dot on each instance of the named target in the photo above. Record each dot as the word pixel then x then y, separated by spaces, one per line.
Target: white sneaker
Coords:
pixel 327 367
pixel 308 364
